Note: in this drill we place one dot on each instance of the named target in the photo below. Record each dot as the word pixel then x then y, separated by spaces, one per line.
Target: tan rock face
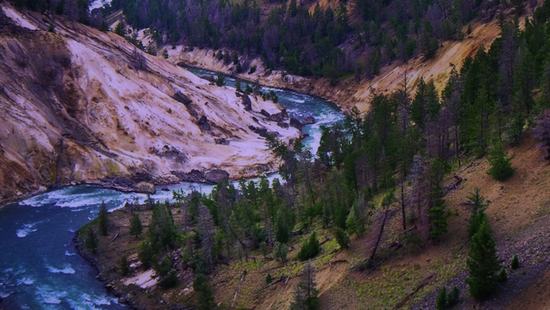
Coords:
pixel 80 105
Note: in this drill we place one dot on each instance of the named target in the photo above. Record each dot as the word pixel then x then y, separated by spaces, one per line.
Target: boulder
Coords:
pixel 203 123
pixel 247 102
pixel 222 141
pixel 308 120
pixel 191 176
pixel 216 176
pixel 181 97
pixel 145 187
pixel 294 122
pixel 282 124
pixel 278 117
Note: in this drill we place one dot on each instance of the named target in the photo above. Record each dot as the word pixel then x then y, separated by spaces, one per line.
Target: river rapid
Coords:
pixel 39 267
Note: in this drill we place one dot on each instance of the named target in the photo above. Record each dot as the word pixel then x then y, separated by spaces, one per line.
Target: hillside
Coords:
pixel 407 276
pixel 80 105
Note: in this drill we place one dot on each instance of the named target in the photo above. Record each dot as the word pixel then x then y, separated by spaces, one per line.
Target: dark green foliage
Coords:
pixel 305 297
pixel 515 263
pixel 501 168
pixel 354 222
pixel 310 248
pixel 280 252
pixel 441 301
pixel 123 266
pixel 162 233
pixel 205 296
pixel 220 80
pixel 453 297
pixel 167 275
pixel 91 240
pixel 135 225
pixel 146 254
pixel 341 237
pixel 502 276
pixel 103 220
pixel 483 263
pixel 305 39
pixel 437 212
pixel 446 300
pixel 478 205
pixel 268 278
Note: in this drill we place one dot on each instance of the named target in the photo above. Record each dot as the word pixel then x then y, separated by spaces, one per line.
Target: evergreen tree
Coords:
pixel 354 222
pixel 103 220
pixel 542 133
pixel 123 266
pixel 205 296
pixel 305 297
pixel 501 168
pixel 91 240
pixel 437 213
pixel 483 263
pixel 310 248
pixel 280 252
pixel 341 237
pixel 478 204
pixel 135 225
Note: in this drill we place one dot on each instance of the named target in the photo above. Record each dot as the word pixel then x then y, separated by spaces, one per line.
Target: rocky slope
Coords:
pixel 80 105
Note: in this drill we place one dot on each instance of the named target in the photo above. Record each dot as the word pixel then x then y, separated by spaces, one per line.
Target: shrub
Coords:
pixel 453 297
pixel 441 301
pixel 446 300
pixel 268 278
pixel 502 276
pixel 515 263
pixel 310 248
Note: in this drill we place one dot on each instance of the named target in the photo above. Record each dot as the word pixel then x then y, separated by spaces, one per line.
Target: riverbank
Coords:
pixel 139 287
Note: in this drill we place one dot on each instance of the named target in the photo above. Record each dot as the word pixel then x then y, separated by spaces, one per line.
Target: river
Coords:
pixel 39 267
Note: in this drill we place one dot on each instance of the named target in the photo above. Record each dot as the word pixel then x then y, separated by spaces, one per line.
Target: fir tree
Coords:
pixel 205 296
pixel 280 252
pixel 91 240
pixel 341 237
pixel 437 213
pixel 501 168
pixel 305 297
pixel 103 220
pixel 123 266
pixel 478 204
pixel 310 248
pixel 354 222
pixel 135 225
pixel 483 263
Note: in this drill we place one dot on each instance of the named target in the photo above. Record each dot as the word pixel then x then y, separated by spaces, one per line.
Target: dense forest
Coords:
pixel 397 155
pixel 357 36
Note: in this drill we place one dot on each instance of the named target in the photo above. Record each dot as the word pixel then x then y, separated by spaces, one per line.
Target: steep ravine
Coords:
pixel 83 106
